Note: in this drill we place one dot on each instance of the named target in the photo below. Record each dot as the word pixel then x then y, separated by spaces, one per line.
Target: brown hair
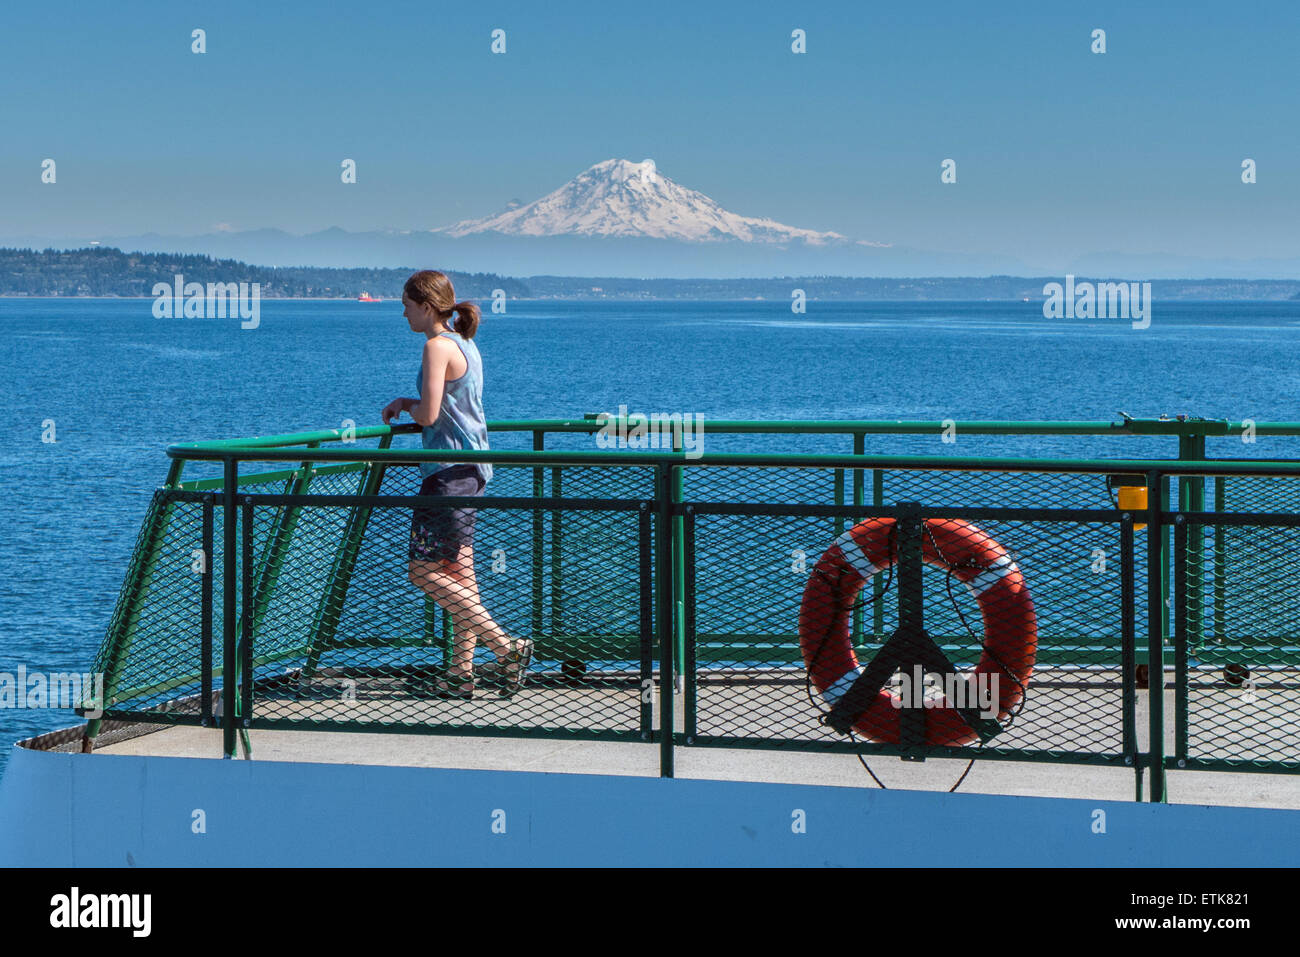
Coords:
pixel 432 288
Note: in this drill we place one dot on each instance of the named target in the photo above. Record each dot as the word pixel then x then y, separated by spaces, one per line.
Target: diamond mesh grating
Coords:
pixel 343 637
pixel 1238 608
pixel 359 643
pixel 751 572
pixel 152 657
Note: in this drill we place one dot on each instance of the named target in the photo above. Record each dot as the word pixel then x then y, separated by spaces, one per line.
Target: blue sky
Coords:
pixel 1060 151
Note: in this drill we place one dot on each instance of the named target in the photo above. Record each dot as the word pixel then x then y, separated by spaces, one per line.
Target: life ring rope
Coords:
pixel 952 567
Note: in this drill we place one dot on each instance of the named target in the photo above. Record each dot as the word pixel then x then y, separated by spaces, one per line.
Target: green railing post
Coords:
pixel 1157 588
pixel 878 608
pixel 1220 562
pixel 244 655
pixel 447 635
pixel 205 624
pixel 1191 498
pixel 679 580
pixel 1128 650
pixel 911 620
pixel 664 612
pixel 837 496
pixel 557 566
pixel 539 529
pixel 1189 584
pixel 859 493
pixel 1183 618
pixel 229 584
pixel 686 577
pixel 431 631
pixel 647 616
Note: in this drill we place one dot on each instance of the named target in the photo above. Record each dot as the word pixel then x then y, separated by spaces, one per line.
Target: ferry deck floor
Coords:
pixel 723 716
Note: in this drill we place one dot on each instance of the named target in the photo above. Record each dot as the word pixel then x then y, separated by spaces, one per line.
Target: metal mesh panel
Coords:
pixel 592 615
pixel 292 598
pixel 1238 601
pixel 983 489
pixel 361 645
pixel 751 572
pixel 152 655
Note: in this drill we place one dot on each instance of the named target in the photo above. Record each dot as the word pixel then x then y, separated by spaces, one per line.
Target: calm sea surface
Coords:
pixel 120 385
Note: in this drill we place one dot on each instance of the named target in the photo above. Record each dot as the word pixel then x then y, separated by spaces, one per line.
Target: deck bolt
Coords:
pixel 247 723
pixel 644 506
pixel 1179 519
pixel 1128 517
pixel 1182 763
pixel 1128 759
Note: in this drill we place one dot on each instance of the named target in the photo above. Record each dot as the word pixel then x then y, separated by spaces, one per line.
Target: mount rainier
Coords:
pixel 620 198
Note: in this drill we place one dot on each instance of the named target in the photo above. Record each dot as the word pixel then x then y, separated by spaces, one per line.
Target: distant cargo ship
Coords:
pixel 366 297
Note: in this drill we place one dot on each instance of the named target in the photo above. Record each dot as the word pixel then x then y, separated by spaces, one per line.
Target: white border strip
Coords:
pixel 855 556
pixel 1001 567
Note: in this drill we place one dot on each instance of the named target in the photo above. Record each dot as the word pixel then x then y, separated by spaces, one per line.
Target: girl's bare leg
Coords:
pixel 453 586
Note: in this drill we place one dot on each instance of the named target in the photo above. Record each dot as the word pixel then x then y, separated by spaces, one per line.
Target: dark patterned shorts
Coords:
pixel 438 533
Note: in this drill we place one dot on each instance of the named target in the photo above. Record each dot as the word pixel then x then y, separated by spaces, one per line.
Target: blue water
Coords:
pixel 120 385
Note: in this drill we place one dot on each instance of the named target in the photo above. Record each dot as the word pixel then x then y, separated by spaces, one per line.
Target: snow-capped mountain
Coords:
pixel 617 218
pixel 625 199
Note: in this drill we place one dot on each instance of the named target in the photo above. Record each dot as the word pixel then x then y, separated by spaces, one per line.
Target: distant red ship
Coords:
pixel 366 297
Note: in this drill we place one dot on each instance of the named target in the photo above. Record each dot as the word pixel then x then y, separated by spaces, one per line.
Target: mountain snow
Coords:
pixel 622 198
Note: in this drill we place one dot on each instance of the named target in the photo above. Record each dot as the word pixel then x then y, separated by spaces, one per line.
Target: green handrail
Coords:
pixel 590 424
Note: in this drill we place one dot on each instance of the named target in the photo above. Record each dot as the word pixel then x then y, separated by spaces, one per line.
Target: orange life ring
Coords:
pixel 976 560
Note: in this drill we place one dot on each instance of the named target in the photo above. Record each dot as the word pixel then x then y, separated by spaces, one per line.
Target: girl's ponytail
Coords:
pixel 467 317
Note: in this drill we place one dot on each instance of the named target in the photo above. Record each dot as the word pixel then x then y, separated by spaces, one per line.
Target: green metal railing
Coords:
pixel 621 565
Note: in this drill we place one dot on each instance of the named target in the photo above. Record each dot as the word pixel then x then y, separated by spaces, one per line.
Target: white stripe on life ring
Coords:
pixel 836 691
pixel 1000 568
pixel 854 555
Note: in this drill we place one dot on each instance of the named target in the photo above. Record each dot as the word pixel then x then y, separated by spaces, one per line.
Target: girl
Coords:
pixel 441 551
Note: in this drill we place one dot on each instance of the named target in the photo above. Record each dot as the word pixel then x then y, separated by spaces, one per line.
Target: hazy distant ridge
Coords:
pixel 104 271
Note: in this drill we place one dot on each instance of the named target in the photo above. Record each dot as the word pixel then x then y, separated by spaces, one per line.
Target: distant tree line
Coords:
pixel 106 271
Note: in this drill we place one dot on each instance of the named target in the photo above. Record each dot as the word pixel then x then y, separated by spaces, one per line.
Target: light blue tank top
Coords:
pixel 460 424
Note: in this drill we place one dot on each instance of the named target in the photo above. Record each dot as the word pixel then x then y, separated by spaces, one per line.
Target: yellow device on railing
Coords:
pixel 1131 497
